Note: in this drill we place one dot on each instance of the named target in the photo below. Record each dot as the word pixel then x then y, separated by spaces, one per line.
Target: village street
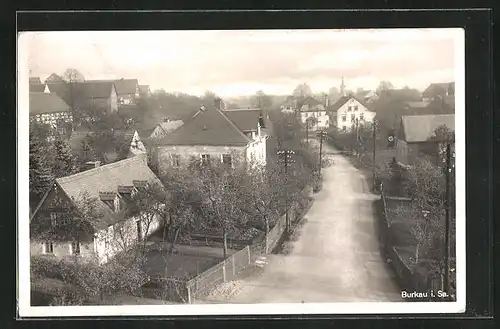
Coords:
pixel 336 257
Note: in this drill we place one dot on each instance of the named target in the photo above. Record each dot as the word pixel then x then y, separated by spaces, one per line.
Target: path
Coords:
pixel 336 258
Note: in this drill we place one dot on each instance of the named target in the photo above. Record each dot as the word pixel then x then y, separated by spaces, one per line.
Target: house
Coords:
pixel 51 110
pixel 438 90
pixel 165 128
pixel 127 90
pixel 210 135
pixel 96 95
pixel 311 107
pixel 144 91
pixel 414 132
pixel 349 111
pixel 59 228
pixel 35 81
pixel 114 146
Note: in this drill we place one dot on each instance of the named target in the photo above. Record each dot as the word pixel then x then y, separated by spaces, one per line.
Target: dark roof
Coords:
pixel 171 125
pixel 123 86
pixel 46 103
pixel 403 95
pixel 35 80
pixel 435 89
pixel 311 101
pixel 78 91
pixel 245 119
pixel 207 127
pixel 344 99
pixel 419 128
pixel 37 88
pixel 107 178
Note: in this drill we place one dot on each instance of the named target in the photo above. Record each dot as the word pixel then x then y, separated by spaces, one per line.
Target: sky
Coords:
pixel 237 63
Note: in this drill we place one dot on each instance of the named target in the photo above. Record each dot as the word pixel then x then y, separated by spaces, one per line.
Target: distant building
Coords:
pixel 413 134
pixel 144 91
pixel 35 81
pixel 311 107
pixel 349 111
pixel 57 232
pixel 210 135
pixel 51 110
pixel 96 95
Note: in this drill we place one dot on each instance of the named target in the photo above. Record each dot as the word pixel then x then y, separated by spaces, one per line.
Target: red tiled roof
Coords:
pixel 207 127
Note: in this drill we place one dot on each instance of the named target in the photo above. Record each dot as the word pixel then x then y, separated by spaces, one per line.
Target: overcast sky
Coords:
pixel 232 63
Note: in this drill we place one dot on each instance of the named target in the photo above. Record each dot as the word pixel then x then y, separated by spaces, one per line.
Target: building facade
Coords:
pixel 59 230
pixel 51 110
pixel 347 112
pixel 312 108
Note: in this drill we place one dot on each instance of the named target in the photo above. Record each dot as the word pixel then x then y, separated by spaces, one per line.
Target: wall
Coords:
pixel 257 151
pixel 62 249
pixel 317 111
pixel 406 153
pixel 164 159
pixel 348 123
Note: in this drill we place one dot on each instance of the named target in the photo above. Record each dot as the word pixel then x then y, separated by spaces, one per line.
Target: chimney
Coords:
pixel 91 165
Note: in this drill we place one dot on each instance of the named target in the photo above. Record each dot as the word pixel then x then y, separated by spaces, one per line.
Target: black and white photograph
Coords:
pixel 240 172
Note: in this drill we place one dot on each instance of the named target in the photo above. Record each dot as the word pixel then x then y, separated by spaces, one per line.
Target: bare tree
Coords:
pixel 72 76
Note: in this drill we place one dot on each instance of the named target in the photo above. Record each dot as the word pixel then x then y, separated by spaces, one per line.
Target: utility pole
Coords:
pixel 321 134
pixel 287 160
pixel 447 220
pixel 374 137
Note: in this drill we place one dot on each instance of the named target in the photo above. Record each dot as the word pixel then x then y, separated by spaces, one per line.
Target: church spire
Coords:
pixel 342 87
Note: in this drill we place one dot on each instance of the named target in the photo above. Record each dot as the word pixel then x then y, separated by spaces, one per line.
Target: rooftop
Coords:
pixel 41 103
pixel 419 128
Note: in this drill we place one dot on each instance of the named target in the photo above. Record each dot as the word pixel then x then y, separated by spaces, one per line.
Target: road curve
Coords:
pixel 336 257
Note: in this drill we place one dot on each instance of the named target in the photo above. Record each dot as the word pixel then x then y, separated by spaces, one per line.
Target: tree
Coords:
pixel 54 78
pixel 311 122
pixel 261 100
pixel 65 163
pixel 302 91
pixel 383 86
pixel 40 162
pixel 334 94
pixel 219 188
pixel 72 76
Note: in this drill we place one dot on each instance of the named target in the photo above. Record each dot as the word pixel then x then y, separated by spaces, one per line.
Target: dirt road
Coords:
pixel 336 258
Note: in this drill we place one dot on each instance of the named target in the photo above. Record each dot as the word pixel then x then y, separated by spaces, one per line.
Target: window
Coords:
pixel 53 219
pixel 227 160
pixel 205 159
pixel 355 108
pixel 343 128
pixel 48 248
pixel 344 118
pixel 176 160
pixel 75 248
pixel 349 109
pixel 361 116
pixel 353 117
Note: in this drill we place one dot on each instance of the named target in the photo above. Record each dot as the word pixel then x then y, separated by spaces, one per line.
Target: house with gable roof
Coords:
pixel 51 110
pixel 96 95
pixel 58 232
pixel 349 111
pixel 311 107
pixel 414 133
pixel 210 135
pixel 438 90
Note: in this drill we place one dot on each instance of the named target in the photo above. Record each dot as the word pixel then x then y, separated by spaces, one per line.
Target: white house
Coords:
pixel 311 107
pixel 347 111
pixel 57 232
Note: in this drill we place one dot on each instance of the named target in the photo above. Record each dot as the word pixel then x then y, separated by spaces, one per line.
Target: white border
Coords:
pixel 25 310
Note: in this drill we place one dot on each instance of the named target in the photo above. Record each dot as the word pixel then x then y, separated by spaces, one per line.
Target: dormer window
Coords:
pixel 126 192
pixel 111 199
pixel 139 185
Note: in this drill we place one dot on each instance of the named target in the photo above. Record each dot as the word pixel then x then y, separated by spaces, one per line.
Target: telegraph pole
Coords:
pixel 287 160
pixel 321 134
pixel 374 137
pixel 447 222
